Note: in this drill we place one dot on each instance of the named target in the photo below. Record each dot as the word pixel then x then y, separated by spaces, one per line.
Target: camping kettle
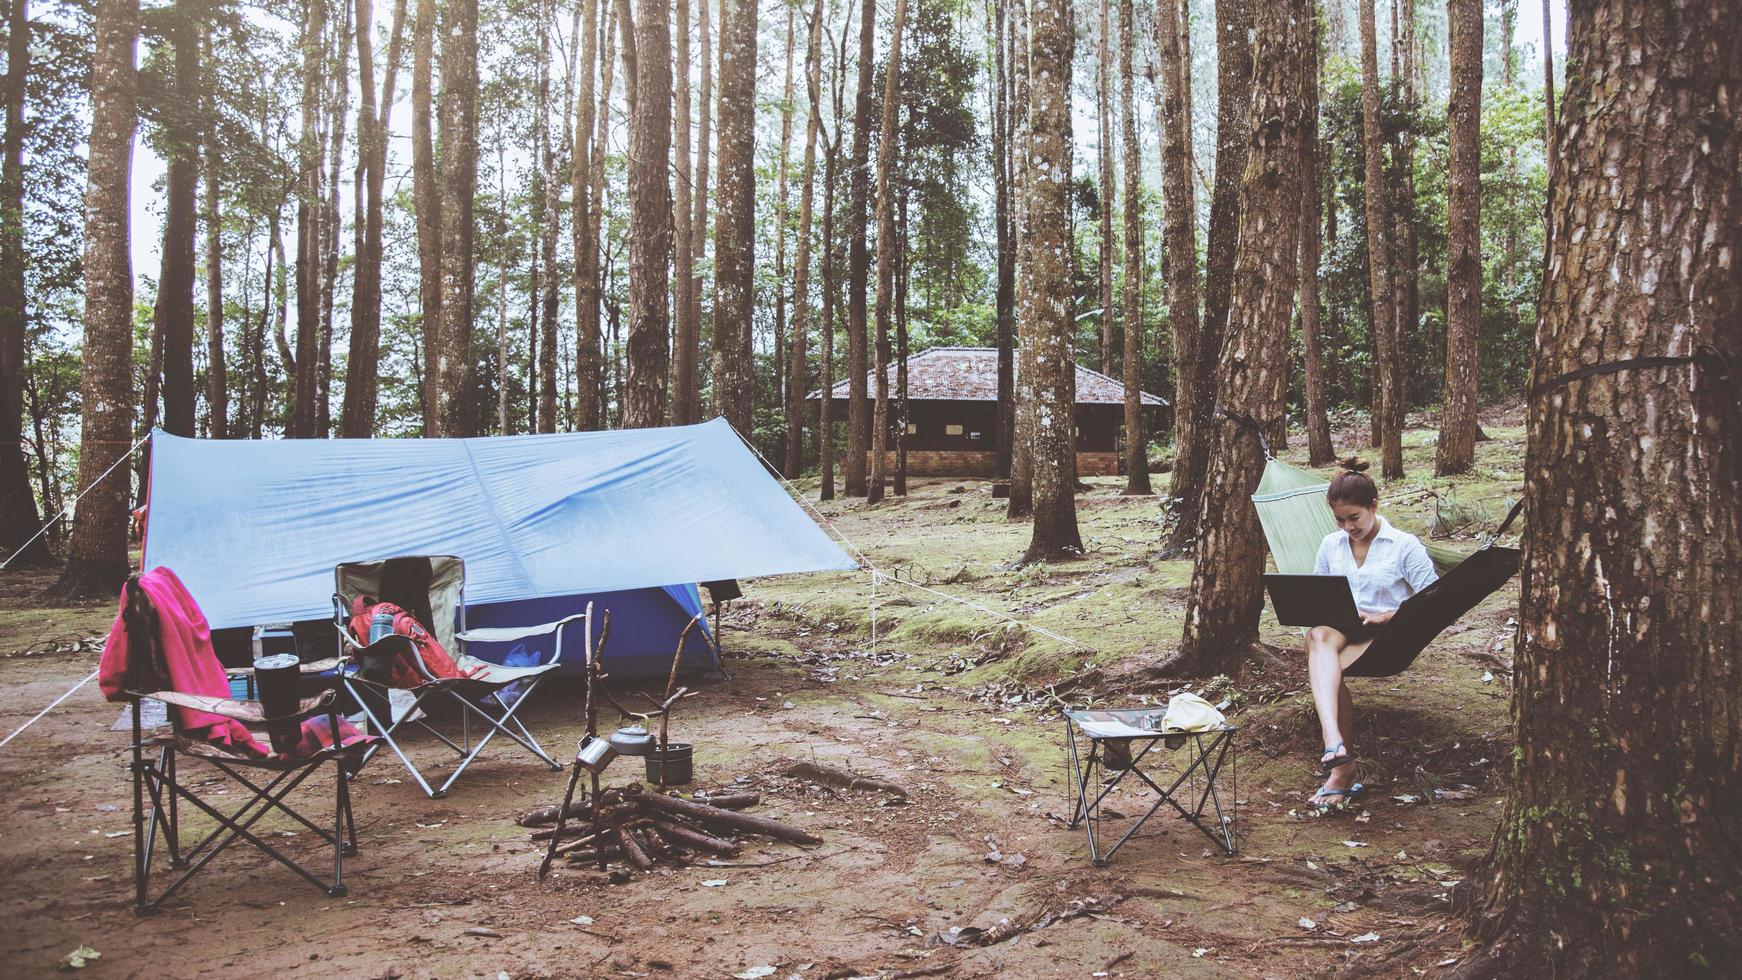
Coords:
pixel 633 740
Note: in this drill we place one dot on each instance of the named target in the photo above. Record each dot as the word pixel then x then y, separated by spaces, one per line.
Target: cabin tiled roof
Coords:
pixel 970 374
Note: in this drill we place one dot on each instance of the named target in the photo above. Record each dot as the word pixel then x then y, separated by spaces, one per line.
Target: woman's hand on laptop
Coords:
pixel 1375 618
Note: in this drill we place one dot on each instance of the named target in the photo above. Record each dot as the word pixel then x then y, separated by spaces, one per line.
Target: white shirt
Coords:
pixel 1396 568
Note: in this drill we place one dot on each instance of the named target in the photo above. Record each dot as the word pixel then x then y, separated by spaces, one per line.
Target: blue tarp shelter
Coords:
pixel 630 520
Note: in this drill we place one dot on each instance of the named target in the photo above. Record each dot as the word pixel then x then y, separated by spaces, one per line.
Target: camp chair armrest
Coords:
pixel 504 634
pixel 247 712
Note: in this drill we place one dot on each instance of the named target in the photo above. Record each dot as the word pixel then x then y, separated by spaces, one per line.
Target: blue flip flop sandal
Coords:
pixel 1346 794
pixel 1336 760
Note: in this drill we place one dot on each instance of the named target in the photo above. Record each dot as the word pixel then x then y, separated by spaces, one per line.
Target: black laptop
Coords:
pixel 1315 600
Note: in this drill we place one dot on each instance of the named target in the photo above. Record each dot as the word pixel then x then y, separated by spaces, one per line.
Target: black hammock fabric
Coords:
pixel 1424 615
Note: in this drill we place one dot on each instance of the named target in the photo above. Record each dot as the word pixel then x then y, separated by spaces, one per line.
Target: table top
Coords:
pixel 1131 723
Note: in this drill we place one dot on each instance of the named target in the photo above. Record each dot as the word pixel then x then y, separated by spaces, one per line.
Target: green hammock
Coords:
pixel 1291 506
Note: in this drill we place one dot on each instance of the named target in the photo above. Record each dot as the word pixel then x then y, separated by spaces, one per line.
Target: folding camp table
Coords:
pixel 1120 742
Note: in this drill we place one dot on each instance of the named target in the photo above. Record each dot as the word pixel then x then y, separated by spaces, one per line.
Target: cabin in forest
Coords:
pixel 952 396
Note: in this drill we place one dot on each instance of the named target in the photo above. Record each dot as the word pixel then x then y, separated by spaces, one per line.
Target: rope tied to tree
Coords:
pixel 1245 421
pixel 1719 364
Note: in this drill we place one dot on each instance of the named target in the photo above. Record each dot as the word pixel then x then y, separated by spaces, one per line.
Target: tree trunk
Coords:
pixel 1388 422
pixel 310 212
pixel 1616 854
pixel 97 560
pixel 459 123
pixel 735 236
pixel 584 222
pixel 1005 295
pixel 1046 314
pixel 901 265
pixel 1104 151
pixel 217 380
pixel 886 147
pixel 1228 566
pixel 858 263
pixel 1136 445
pixel 795 376
pixel 550 300
pixel 650 218
pixel 337 109
pixel 782 218
pixel 683 218
pixel 1318 424
pixel 1180 232
pixel 173 313
pixel 686 361
pixel 1022 416
pixel 831 168
pixel 362 368
pixel 1406 279
pixel 426 195
pixel 19 518
pixel 1457 445
pixel 1234 91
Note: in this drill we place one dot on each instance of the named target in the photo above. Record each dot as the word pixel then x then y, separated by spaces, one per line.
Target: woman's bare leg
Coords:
pixel 1325 671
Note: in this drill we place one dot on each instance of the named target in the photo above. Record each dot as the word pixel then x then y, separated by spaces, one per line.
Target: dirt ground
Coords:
pixel 956 707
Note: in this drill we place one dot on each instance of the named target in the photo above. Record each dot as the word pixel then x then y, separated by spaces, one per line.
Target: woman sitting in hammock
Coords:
pixel 1385 566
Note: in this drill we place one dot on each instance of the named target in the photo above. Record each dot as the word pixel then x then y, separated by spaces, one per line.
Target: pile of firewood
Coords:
pixel 641 827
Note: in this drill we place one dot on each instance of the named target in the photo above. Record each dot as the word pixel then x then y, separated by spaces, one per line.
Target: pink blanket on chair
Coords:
pixel 188 657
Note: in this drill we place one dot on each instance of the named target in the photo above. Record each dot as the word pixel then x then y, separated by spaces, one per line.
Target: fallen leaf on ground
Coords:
pixel 1353 843
pixel 582 920
pixel 755 973
pixel 79 958
pixel 714 883
pixel 1366 937
pixel 482 931
pixel 1308 924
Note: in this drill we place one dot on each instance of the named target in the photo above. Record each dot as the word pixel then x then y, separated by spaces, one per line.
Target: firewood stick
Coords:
pixel 731 801
pixel 842 779
pixel 695 838
pixel 587 854
pixel 565 833
pixel 632 849
pixel 577 844
pixel 547 814
pixel 718 818
pixel 648 838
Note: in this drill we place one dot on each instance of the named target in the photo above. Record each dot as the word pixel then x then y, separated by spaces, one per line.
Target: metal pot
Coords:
pixel 633 740
pixel 678 765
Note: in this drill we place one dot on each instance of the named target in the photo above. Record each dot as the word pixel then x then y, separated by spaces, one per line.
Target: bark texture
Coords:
pixel 18 515
pixel 1457 445
pixel 1180 231
pixel 1318 424
pixel 1234 94
pixel 1046 314
pixel 1104 152
pixel 173 313
pixel 1005 295
pixel 1136 441
pixel 362 368
pixel 1388 423
pixel 886 246
pixel 217 380
pixel 683 223
pixel 584 224
pixel 1228 567
pixel 650 221
pixel 795 379
pixel 858 262
pixel 310 215
pixel 427 200
pixel 1617 854
pixel 97 561
pixel 735 236
pixel 459 187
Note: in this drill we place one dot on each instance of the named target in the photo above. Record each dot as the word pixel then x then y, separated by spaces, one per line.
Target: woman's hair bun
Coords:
pixel 1354 464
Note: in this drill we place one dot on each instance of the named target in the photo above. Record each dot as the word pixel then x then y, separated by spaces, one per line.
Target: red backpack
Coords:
pixel 404 672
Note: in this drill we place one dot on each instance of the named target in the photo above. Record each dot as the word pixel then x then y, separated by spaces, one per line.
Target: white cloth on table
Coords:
pixel 1396 568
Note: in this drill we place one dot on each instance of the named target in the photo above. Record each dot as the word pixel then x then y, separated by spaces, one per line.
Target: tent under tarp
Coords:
pixel 630 519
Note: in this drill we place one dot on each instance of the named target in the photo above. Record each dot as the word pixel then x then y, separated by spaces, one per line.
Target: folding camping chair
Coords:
pixel 432 589
pixel 267 781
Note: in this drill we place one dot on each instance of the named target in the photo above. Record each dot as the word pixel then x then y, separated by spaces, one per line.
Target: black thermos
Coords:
pixel 279 677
